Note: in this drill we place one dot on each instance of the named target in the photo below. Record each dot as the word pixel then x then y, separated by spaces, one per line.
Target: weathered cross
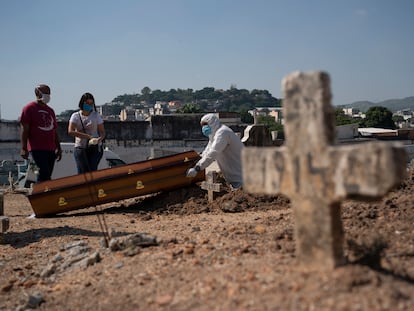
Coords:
pixel 211 185
pixel 316 175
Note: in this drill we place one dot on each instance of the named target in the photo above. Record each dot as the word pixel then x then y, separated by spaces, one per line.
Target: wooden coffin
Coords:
pixel 112 184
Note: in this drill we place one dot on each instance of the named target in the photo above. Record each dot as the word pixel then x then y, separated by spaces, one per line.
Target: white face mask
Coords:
pixel 45 98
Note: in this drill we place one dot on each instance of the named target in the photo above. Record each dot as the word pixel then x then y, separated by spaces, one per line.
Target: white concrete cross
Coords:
pixel 315 174
pixel 211 185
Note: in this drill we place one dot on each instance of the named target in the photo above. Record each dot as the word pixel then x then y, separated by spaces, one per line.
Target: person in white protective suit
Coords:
pixel 224 146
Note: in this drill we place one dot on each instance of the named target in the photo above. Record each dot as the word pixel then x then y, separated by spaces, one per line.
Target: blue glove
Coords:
pixel 191 172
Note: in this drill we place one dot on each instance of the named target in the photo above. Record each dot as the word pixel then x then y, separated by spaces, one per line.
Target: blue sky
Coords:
pixel 110 48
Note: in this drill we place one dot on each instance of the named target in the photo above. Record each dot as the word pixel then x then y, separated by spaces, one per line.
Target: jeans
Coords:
pixel 45 161
pixel 87 161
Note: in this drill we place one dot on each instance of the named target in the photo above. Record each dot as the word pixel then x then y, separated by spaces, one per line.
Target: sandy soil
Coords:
pixel 237 253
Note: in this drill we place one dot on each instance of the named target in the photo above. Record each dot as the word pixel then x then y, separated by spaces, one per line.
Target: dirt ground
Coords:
pixel 237 253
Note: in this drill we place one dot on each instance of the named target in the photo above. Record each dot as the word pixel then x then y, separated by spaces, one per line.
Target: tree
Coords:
pixel 378 117
pixel 189 108
pixel 146 94
pixel 398 119
pixel 206 99
pixel 262 98
pixel 342 118
pixel 65 115
pixel 272 125
pixel 171 95
pixel 185 95
pixel 115 109
pixel 157 95
pixel 245 116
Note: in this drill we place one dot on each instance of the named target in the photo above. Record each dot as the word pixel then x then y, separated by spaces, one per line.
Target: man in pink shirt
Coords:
pixel 39 133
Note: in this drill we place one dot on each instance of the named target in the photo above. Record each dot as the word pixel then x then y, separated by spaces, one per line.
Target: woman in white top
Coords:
pixel 86 125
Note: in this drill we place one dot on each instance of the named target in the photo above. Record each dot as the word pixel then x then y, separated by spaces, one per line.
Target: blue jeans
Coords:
pixel 87 161
pixel 45 161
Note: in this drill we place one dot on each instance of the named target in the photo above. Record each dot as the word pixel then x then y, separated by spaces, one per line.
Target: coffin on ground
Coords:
pixel 113 184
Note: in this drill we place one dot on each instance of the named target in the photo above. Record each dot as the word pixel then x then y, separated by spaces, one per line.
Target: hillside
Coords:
pixel 392 104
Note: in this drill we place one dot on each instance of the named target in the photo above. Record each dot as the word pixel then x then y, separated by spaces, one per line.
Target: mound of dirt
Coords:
pixel 185 253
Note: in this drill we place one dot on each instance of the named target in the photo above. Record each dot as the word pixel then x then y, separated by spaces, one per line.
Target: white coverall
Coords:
pixel 225 147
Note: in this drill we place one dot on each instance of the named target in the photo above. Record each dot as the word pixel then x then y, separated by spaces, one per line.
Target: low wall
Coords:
pixel 162 127
pixel 123 131
pixel 133 141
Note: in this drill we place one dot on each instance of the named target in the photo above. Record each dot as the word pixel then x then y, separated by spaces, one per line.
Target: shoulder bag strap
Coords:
pixel 80 117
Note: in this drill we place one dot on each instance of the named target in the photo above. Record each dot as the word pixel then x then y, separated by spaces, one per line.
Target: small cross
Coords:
pixel 211 185
pixel 4 221
pixel 315 174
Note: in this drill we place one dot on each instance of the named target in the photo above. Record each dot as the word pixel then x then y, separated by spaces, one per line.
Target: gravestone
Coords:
pixel 211 185
pixel 317 175
pixel 4 221
pixel 257 135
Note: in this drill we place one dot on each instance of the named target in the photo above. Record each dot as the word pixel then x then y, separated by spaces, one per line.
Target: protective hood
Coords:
pixel 213 121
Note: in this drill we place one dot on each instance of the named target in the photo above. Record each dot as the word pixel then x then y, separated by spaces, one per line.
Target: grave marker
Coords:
pixel 4 221
pixel 211 185
pixel 257 135
pixel 315 174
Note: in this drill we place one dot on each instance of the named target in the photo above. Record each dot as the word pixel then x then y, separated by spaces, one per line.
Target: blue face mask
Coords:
pixel 206 129
pixel 87 107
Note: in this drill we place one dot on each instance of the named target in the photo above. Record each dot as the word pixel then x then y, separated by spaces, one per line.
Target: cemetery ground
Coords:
pixel 236 253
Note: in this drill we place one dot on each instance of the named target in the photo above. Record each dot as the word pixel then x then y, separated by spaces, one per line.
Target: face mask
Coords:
pixel 45 98
pixel 87 107
pixel 206 129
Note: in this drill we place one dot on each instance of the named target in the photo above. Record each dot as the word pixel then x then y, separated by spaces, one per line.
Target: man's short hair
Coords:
pixel 42 89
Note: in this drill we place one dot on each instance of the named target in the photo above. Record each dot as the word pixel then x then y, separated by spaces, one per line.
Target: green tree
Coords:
pixel 262 98
pixel 157 95
pixel 341 118
pixel 208 93
pixel 172 94
pixel 128 99
pixel 397 119
pixel 272 125
pixel 378 117
pixel 146 94
pixel 185 95
pixel 207 98
pixel 189 108
pixel 115 109
pixel 65 115
pixel 245 116
pixel 400 121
